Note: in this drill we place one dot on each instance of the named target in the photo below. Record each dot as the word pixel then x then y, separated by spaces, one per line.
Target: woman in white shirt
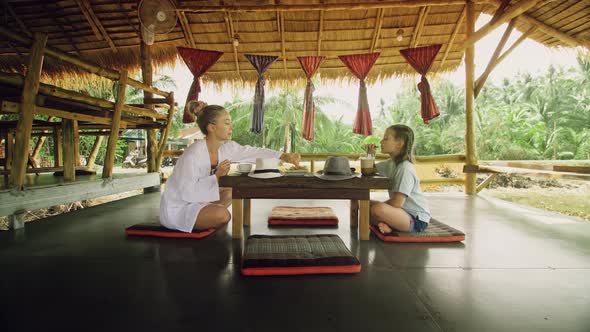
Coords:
pixel 192 198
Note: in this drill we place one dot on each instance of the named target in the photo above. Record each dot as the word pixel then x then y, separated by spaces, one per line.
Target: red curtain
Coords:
pixel 360 65
pixel 310 65
pixel 421 58
pixel 198 62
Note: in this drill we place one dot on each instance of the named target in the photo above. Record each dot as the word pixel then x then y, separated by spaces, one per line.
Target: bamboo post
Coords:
pixel 57 148
pixel 38 146
pixel 147 75
pixel 109 159
pixel 166 131
pixel 470 151
pixel 94 151
pixel 69 150
pixel 76 143
pixel 25 120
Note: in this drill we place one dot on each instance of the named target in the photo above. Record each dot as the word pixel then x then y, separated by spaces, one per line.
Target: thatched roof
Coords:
pixel 108 32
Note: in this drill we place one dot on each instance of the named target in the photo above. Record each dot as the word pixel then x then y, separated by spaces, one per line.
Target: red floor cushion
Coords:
pixel 157 230
pixel 436 232
pixel 266 255
pixel 307 216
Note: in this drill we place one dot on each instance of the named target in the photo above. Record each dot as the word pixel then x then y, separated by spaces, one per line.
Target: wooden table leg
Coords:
pixel 364 219
pixel 354 213
pixel 247 211
pixel 237 206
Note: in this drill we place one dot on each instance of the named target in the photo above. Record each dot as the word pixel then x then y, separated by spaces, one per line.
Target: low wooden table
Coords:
pixel 356 190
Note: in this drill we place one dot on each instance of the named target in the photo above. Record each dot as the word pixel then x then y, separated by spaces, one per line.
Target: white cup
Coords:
pixel 244 168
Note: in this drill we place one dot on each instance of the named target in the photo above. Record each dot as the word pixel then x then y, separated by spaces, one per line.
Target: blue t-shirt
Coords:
pixel 404 180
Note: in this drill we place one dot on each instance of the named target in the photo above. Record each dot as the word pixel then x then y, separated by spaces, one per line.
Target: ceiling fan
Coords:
pixel 156 17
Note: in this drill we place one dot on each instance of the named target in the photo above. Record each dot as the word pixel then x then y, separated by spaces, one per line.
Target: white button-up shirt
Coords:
pixel 191 186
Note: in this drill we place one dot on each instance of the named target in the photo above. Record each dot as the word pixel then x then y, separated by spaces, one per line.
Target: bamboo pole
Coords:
pixel 25 121
pixel 320 32
pixel 187 7
pixel 470 148
pixel 76 142
pixel 282 16
pixel 186 29
pixel 485 182
pixel 69 150
pixel 165 133
pixel 88 66
pixel 480 81
pixel 377 30
pixel 40 142
pixel 514 45
pixel 94 151
pixel 510 13
pixel 147 76
pixel 95 23
pixel 57 148
pixel 231 39
pixel 453 36
pixel 419 26
pixel 109 160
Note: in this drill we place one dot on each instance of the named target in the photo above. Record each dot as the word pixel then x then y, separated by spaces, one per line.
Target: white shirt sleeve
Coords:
pixel 246 153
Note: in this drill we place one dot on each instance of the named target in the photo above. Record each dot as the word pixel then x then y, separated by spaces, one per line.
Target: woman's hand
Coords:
pixel 222 168
pixel 292 158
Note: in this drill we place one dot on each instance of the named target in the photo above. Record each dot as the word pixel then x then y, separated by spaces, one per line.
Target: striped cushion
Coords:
pixel 436 232
pixel 157 230
pixel 309 216
pixel 297 254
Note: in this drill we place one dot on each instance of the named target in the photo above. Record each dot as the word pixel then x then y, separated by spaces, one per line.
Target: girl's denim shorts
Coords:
pixel 417 225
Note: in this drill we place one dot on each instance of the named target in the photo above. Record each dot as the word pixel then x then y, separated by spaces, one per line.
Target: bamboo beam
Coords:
pixel 470 149
pixel 109 160
pixel 166 131
pixel 186 7
pixel 512 12
pixel 320 32
pixel 485 182
pixel 88 66
pixel 453 36
pixel 515 44
pixel 25 120
pixel 69 153
pixel 479 82
pixel 231 39
pixel 94 151
pixel 282 16
pixel 419 26
pixel 186 29
pixel 95 24
pixel 377 30
pixel 19 22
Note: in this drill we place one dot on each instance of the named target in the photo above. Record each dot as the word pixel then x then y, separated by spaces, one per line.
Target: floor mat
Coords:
pixel 436 232
pixel 302 216
pixel 157 230
pixel 266 255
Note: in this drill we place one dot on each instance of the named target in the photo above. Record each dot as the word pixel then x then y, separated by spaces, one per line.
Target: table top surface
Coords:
pixel 307 181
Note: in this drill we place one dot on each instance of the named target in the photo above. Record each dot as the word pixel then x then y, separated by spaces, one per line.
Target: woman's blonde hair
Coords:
pixel 406 134
pixel 206 114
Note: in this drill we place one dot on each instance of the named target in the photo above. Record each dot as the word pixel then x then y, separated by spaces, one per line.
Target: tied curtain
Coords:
pixel 198 62
pixel 360 65
pixel 421 58
pixel 261 63
pixel 310 65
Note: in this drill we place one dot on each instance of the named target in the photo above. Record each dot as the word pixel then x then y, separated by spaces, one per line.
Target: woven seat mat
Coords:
pixel 297 254
pixel 308 216
pixel 157 230
pixel 436 232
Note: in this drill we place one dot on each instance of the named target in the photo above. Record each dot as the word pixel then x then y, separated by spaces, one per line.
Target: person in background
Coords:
pixel 407 209
pixel 192 198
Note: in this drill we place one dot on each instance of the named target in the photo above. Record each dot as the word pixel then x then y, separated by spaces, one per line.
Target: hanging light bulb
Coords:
pixel 399 35
pixel 236 41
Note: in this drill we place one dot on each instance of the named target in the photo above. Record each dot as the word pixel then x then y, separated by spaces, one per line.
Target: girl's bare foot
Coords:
pixel 384 228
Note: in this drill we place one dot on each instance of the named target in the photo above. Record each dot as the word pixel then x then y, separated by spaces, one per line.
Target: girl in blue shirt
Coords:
pixel 407 208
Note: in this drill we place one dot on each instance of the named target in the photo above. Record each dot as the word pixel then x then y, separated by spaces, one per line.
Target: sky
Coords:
pixel 529 56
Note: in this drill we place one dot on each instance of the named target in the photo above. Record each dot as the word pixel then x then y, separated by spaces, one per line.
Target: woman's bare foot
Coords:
pixel 384 228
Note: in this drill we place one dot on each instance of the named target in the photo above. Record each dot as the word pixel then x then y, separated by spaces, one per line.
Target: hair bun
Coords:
pixel 197 107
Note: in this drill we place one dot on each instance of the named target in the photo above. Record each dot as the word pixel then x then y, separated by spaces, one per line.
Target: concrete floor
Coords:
pixel 519 269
